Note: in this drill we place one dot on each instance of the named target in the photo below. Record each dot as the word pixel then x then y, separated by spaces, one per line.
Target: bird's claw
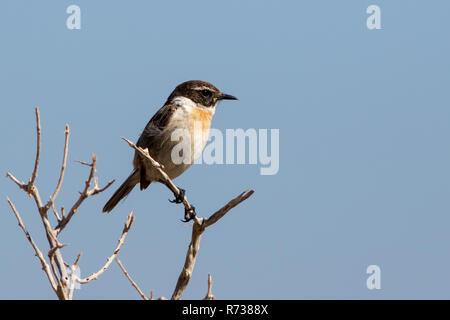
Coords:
pixel 189 214
pixel 180 197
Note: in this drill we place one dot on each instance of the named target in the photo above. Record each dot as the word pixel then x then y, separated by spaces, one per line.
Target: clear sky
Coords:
pixel 364 175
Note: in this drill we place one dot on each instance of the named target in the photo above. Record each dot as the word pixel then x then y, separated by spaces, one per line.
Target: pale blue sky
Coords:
pixel 364 154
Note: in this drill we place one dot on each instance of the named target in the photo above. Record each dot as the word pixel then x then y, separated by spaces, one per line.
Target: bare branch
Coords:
pixel 38 152
pixel 52 251
pixel 73 276
pixel 56 269
pixel 84 194
pixel 84 163
pixel 55 212
pixel 61 174
pixel 230 205
pixel 96 188
pixel 200 224
pixel 143 296
pixel 125 230
pixel 209 295
pixel 51 236
pixel 39 254
pixel 20 184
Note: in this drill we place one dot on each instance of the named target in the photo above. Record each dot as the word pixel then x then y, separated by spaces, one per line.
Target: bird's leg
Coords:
pixel 189 213
pixel 180 197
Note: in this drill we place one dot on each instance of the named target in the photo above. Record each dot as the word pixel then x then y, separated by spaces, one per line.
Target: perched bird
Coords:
pixel 189 108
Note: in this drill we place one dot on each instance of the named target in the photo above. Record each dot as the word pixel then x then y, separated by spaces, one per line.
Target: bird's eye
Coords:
pixel 206 93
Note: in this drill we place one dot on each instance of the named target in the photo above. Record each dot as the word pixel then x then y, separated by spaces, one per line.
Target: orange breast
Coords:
pixel 199 116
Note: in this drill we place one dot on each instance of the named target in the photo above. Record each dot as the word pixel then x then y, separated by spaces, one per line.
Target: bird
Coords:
pixel 189 109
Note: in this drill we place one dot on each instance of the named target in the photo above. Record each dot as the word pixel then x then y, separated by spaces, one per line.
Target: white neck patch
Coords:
pixel 187 104
pixel 184 102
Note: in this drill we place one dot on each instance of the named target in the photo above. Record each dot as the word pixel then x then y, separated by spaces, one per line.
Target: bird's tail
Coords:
pixel 123 191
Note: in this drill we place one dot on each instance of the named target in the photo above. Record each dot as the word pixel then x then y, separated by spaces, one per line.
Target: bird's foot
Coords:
pixel 180 197
pixel 189 214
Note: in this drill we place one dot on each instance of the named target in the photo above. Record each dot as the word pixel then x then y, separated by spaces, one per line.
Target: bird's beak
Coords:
pixel 227 97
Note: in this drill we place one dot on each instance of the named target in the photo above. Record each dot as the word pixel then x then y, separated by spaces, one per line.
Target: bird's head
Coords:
pixel 201 93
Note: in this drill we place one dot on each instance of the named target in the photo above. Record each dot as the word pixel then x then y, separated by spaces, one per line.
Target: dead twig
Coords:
pixel 209 295
pixel 51 201
pixel 125 230
pixel 73 276
pixel 56 269
pixel 84 194
pixel 30 184
pixel 198 228
pixel 39 254
pixel 32 191
pixel 199 225
pixel 141 293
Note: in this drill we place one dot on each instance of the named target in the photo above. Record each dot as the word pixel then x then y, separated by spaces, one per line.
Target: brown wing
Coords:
pixel 151 137
pixel 155 126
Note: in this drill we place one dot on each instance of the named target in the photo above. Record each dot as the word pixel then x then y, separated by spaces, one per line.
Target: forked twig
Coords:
pixel 55 270
pixel 39 254
pixel 199 225
pixel 198 228
pixel 125 230
pixel 84 194
pixel 73 276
